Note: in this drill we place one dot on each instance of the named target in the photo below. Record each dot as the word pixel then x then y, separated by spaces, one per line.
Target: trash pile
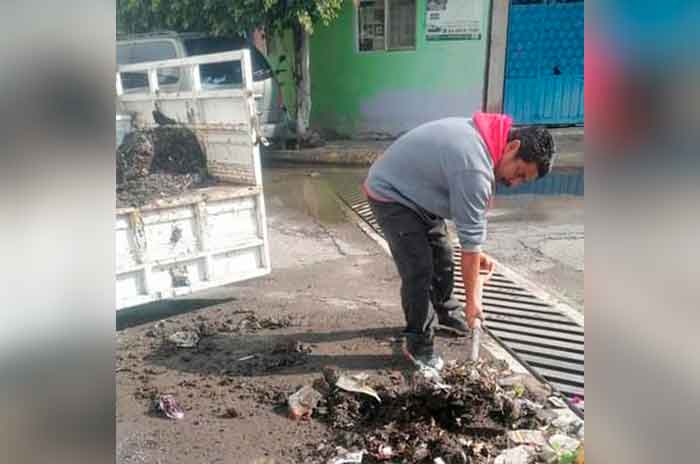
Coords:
pixel 158 163
pixel 468 417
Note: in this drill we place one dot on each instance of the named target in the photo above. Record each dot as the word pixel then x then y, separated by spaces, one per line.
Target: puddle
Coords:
pixel 558 182
pixel 311 195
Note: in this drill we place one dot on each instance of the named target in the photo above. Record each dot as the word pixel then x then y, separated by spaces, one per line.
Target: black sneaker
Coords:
pixel 453 322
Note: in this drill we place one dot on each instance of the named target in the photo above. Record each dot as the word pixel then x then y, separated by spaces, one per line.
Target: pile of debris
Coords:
pixel 157 163
pixel 252 323
pixel 203 337
pixel 475 414
pixel 201 326
pixel 284 354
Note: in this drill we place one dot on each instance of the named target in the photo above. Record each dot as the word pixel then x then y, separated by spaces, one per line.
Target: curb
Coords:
pixel 361 154
pixel 571 156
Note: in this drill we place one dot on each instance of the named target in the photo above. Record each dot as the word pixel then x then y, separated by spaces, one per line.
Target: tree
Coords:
pixel 239 17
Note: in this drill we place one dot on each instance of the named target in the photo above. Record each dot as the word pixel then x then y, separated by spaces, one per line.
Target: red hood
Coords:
pixel 494 129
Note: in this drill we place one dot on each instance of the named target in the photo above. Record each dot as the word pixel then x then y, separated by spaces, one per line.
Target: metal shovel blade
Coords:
pixel 476 340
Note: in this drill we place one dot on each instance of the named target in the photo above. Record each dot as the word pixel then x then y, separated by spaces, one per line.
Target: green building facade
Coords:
pixel 386 66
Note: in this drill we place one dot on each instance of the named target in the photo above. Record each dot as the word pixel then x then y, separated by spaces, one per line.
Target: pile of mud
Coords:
pixel 208 342
pixel 158 163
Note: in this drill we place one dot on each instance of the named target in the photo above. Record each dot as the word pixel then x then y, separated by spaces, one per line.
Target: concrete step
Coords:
pixel 569 142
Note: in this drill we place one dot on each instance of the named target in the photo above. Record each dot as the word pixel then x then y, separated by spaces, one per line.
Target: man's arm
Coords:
pixel 470 191
pixel 472 264
pixel 470 275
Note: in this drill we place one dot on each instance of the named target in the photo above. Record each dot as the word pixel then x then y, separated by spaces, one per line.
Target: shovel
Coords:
pixel 476 340
pixel 477 330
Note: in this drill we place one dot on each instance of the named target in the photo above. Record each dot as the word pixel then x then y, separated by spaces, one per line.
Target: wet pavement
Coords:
pixel 542 238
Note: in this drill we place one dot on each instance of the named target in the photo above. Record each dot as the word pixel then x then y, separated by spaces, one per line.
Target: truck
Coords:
pixel 205 237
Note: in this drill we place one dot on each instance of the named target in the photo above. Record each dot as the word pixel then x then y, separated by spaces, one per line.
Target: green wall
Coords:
pixel 389 92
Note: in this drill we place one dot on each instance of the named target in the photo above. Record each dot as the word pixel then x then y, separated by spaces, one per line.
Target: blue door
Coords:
pixel 544 62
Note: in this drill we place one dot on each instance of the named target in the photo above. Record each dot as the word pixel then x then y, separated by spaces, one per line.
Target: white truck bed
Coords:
pixel 209 236
pixel 201 239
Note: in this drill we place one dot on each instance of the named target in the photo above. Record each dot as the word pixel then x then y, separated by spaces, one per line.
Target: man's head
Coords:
pixel 528 155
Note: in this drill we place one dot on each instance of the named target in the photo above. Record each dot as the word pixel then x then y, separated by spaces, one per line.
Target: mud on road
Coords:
pixel 330 305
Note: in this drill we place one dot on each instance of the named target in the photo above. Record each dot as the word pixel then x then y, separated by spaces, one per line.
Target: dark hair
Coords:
pixel 536 145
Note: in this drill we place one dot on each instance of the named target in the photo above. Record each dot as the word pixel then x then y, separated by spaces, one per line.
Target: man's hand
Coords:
pixel 473 309
pixel 472 264
pixel 486 264
pixel 473 312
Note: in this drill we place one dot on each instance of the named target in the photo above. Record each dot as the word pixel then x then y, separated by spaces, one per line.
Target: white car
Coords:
pixel 140 48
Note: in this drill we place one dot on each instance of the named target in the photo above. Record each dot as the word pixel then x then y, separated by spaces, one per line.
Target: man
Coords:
pixel 447 169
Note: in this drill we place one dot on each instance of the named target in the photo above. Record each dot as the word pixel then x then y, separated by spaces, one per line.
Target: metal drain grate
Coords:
pixel 540 336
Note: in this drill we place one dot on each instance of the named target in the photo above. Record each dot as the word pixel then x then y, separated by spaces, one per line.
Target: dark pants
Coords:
pixel 423 255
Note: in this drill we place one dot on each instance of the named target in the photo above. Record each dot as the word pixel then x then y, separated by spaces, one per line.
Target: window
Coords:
pixel 226 73
pixel 402 24
pixel 386 25
pixel 145 52
pixel 152 51
pixel 122 54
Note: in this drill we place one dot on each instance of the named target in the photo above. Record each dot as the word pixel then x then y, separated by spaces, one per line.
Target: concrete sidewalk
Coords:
pixel 569 143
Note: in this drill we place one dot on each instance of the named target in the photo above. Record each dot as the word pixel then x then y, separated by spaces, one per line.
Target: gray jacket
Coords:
pixel 443 167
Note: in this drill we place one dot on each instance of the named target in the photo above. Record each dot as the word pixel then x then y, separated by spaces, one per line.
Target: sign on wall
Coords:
pixel 453 19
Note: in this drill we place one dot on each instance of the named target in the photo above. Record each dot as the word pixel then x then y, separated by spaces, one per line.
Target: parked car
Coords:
pixel 140 48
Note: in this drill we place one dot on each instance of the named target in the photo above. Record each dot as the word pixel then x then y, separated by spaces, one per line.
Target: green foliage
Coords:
pixel 224 17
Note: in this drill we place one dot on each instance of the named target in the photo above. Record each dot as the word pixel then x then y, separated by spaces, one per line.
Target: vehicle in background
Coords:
pixel 142 48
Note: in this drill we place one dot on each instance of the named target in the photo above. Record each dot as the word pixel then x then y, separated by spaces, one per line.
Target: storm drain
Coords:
pixel 548 342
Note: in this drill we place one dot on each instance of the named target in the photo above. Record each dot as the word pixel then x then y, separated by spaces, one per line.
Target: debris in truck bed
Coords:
pixel 158 163
pixel 134 156
pixel 177 151
pixel 141 190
